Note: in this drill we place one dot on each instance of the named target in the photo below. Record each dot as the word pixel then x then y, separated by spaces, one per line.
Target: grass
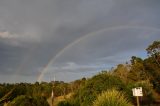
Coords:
pixel 112 97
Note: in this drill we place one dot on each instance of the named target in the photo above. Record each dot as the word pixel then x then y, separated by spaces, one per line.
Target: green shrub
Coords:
pixel 94 86
pixel 64 103
pixel 112 98
pixel 148 96
pixel 29 101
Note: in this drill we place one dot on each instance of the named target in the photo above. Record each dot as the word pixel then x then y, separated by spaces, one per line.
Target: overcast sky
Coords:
pixel 71 39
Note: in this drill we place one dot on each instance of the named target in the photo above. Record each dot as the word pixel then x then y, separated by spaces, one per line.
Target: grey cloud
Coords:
pixel 99 45
pixel 32 32
pixel 75 68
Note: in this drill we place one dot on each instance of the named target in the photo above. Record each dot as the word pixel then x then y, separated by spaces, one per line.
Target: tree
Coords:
pixel 152 64
pixel 153 50
pixel 137 70
pixel 153 72
pixel 122 72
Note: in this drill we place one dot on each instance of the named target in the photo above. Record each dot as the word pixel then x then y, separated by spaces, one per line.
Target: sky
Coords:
pixel 72 39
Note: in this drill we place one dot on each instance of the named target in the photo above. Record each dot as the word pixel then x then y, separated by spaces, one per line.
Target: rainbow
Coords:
pixel 54 57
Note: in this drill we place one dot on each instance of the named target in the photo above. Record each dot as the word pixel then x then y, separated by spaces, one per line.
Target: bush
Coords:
pixel 64 103
pixel 148 96
pixel 94 86
pixel 112 98
pixel 29 101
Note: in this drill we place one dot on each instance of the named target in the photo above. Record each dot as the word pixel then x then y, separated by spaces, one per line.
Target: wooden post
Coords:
pixel 137 100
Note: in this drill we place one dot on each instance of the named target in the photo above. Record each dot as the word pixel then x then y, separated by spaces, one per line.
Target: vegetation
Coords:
pixel 98 90
pixel 28 101
pixel 94 86
pixel 64 103
pixel 112 97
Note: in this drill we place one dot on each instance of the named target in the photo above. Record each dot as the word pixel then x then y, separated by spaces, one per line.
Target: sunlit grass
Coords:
pixel 112 98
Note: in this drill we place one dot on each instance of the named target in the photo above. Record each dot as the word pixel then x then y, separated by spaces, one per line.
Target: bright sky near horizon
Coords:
pixel 71 39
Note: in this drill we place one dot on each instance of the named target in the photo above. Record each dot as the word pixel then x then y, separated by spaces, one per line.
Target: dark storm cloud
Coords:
pixel 32 32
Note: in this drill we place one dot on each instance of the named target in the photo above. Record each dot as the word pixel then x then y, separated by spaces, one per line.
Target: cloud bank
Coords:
pixel 71 39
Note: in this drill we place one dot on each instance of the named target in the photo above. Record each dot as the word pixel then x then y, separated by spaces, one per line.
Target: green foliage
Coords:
pixel 153 73
pixel 10 91
pixel 112 97
pixel 6 92
pixel 64 103
pixel 148 96
pixel 154 48
pixel 137 70
pixel 29 101
pixel 43 89
pixel 6 97
pixel 60 88
pixel 77 83
pixel 94 86
pixel 154 51
pixel 122 72
pixel 22 101
pixel 152 64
